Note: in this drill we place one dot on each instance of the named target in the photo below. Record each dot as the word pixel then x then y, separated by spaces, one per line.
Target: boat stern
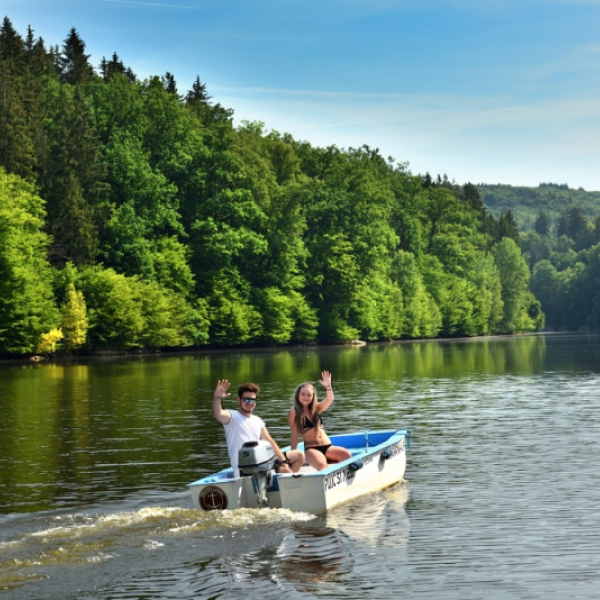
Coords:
pixel 221 491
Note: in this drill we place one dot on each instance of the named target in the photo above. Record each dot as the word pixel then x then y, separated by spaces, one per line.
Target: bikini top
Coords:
pixel 307 424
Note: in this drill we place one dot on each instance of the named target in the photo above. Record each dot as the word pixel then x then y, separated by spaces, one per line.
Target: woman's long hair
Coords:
pixel 298 406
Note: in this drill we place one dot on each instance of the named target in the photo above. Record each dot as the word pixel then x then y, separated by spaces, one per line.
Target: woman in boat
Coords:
pixel 305 421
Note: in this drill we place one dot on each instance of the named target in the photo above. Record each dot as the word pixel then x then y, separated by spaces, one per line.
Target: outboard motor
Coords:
pixel 257 459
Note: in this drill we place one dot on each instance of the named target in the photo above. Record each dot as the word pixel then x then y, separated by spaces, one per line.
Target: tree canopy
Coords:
pixel 138 216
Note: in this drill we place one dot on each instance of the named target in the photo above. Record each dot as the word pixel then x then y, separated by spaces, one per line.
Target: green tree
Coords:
pixel 74 323
pixel 535 247
pixel 279 190
pixel 488 305
pixel 449 228
pixel 335 285
pixel 542 224
pixel 118 109
pixel 115 65
pixel 351 244
pixel 596 233
pixel 562 227
pixel 17 154
pixel 166 316
pixel 406 214
pixel 72 179
pixel 170 83
pixel 507 227
pixel 115 313
pixel 452 294
pixel 144 212
pixel 277 312
pixel 198 94
pixel 27 308
pixel 39 63
pixel 422 317
pixel 580 230
pixel 514 277
pixel 549 287
pixel 73 61
pixel 12 47
pixel 586 291
pixel 233 320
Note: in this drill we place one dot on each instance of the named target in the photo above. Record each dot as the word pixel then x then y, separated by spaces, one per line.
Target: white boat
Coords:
pixel 378 461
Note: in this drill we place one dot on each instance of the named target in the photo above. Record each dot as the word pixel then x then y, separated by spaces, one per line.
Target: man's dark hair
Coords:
pixel 247 387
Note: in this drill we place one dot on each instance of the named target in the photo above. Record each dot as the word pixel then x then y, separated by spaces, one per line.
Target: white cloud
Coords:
pixel 492 139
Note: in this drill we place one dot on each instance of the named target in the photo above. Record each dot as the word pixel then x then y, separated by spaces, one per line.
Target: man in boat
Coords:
pixel 244 426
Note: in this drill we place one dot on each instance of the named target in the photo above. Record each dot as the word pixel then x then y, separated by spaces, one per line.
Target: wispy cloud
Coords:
pixel 299 92
pixel 472 139
pixel 150 4
pixel 501 90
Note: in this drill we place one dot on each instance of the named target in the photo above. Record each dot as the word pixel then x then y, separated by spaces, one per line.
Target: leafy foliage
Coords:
pixel 74 319
pixel 526 203
pixel 27 306
pixel 560 236
pixel 167 226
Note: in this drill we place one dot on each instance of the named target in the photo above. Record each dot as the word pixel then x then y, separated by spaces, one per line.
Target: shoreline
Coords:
pixel 110 355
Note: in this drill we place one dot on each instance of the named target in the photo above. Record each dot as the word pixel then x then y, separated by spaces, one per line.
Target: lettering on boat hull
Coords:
pixel 336 479
pixel 398 448
pixel 346 475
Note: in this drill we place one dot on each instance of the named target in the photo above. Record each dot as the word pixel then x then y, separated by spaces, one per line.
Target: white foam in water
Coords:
pixel 243 517
pixel 166 519
pixel 100 558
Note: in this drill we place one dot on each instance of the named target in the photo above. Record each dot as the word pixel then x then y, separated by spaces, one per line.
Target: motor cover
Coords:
pixel 253 454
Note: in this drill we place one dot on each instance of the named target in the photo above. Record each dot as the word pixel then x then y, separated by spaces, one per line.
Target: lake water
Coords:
pixel 500 501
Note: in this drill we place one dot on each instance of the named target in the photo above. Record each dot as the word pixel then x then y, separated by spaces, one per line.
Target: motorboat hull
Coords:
pixel 378 461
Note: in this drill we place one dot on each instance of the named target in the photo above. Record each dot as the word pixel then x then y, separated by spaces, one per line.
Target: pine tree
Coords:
pixel 29 40
pixel 54 57
pixel 596 237
pixel 198 93
pixel 16 145
pixel 169 83
pixel 12 47
pixel 73 180
pixel 115 65
pixel 542 224
pixel 39 61
pixel 73 62
pixel 563 225
pixel 579 229
pixel 471 195
pixel 507 227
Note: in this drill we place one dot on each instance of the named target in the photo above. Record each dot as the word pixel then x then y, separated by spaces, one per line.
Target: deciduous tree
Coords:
pixel 27 307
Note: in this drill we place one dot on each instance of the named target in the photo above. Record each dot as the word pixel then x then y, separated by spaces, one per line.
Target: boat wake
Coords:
pixel 152 550
pixel 76 539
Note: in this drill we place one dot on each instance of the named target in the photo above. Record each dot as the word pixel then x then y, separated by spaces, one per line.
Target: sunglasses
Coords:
pixel 248 400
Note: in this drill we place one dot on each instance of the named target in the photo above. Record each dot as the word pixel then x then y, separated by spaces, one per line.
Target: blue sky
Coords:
pixel 487 91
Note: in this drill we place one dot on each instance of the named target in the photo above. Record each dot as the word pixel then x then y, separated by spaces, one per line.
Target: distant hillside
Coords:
pixel 526 202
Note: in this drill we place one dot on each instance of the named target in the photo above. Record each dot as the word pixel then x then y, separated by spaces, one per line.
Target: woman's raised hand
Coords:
pixel 325 380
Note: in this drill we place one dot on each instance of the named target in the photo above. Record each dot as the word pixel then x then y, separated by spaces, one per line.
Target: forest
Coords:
pixel 137 217
pixel 560 237
pixel 526 203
